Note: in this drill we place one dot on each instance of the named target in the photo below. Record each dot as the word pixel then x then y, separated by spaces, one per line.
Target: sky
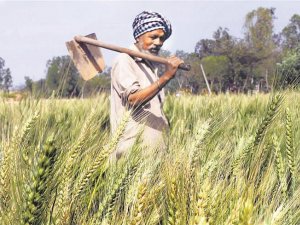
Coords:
pixel 33 32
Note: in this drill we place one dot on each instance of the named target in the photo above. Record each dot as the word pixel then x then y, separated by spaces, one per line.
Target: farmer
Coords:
pixel 135 85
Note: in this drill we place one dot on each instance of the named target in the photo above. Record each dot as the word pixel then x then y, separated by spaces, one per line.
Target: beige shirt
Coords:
pixel 130 74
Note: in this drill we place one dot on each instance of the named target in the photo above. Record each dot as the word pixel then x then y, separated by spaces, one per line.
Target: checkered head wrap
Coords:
pixel 149 21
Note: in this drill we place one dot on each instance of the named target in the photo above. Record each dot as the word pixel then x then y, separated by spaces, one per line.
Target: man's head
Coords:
pixel 150 30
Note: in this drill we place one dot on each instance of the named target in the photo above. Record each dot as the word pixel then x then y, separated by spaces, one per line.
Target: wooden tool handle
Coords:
pixel 128 51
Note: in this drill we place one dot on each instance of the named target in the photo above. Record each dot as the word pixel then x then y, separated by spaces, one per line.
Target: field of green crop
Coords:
pixel 231 159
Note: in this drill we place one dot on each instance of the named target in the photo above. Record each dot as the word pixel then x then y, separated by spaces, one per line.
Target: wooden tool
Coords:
pixel 87 57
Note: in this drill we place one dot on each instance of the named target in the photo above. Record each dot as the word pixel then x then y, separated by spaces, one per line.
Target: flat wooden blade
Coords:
pixel 87 58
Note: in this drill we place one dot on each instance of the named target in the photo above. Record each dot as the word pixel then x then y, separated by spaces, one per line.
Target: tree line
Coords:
pixel 259 61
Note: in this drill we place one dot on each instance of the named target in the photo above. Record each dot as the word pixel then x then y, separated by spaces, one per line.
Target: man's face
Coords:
pixel 151 41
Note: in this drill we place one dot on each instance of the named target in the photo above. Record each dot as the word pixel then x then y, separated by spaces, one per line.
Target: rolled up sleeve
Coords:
pixel 124 78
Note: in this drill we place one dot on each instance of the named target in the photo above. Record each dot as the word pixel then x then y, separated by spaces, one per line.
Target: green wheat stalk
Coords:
pixel 63 202
pixel 103 155
pixel 272 111
pixel 109 200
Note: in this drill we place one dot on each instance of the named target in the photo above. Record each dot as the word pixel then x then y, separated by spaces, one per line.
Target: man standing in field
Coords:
pixel 135 84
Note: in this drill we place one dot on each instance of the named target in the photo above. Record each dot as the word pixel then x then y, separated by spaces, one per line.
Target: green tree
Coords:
pixel 227 45
pixel 62 77
pixel 5 77
pixel 260 46
pixel 216 52
pixel 289 69
pixel 291 33
pixel 205 47
pixel 216 70
pixel 7 80
pixel 28 84
pixel 259 31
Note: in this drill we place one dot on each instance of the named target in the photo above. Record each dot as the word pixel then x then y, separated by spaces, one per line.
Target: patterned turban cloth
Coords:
pixel 149 21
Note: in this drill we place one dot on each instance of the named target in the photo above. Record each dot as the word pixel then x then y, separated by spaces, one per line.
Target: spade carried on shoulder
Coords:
pixel 88 59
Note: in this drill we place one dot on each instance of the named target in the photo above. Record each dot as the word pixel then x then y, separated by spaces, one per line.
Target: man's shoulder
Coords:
pixel 125 58
pixel 122 58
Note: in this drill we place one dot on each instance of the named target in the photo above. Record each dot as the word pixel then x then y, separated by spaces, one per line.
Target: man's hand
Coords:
pixel 146 94
pixel 172 66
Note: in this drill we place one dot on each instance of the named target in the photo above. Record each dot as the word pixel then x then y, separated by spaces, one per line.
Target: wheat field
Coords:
pixel 231 159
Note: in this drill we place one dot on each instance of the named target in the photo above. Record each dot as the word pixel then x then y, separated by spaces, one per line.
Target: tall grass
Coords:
pixel 231 159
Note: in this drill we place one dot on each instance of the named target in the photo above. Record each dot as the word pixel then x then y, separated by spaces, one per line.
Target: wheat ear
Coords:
pixel 271 113
pixel 140 205
pixel 279 165
pixel 35 200
pixel 245 215
pixel 23 137
pixel 290 152
pixel 200 209
pixel 4 178
pixel 172 208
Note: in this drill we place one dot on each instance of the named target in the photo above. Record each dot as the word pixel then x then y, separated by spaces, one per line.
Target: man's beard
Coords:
pixel 154 51
pixel 151 51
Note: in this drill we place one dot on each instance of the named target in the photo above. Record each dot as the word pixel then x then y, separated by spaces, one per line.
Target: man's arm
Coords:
pixel 146 94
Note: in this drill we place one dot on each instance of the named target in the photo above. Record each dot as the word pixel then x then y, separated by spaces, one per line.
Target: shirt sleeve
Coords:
pixel 124 78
